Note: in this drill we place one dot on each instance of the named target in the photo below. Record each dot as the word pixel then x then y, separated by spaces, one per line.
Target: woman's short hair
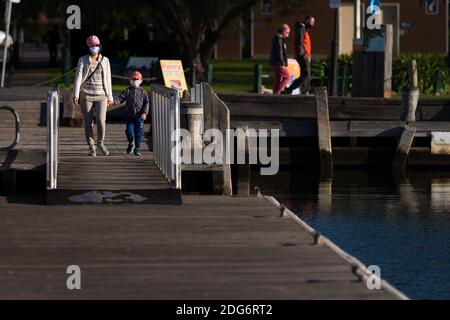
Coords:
pixel 283 27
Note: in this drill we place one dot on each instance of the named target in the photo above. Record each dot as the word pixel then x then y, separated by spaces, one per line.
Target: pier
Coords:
pixel 211 247
pixel 146 239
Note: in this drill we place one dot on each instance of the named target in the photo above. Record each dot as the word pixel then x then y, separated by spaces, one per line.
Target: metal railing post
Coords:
pixel 165 121
pixel 52 138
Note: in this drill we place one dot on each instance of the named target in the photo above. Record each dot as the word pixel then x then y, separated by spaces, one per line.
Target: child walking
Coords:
pixel 137 108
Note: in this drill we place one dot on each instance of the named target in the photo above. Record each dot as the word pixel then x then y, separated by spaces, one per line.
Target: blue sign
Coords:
pixel 334 4
pixel 432 7
pixel 374 5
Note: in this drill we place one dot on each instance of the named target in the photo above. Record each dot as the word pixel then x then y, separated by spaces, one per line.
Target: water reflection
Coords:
pixel 401 224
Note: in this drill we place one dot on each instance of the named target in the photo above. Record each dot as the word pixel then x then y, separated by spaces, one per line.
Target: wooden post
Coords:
pixel 217 115
pixel 389 43
pixel 324 132
pixel 413 75
pixel 223 178
pixel 403 148
pixel 410 98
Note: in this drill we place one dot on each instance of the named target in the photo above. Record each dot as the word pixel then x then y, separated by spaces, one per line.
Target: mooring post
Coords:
pixel 403 148
pixel 324 133
pixel 257 78
pixel 410 97
pixel 389 44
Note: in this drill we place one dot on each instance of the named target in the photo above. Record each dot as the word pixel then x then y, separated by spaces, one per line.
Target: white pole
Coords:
pixel 357 19
pixel 5 51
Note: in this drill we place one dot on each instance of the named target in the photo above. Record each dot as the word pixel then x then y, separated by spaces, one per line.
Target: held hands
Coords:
pixel 110 103
pixel 144 116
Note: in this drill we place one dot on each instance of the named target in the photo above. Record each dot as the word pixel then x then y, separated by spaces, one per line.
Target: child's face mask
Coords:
pixel 135 83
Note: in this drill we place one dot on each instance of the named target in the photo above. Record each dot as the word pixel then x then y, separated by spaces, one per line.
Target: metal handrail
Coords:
pixel 52 138
pixel 17 120
pixel 165 126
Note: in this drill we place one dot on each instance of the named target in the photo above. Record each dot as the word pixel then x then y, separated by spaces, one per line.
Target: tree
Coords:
pixel 193 26
pixel 197 25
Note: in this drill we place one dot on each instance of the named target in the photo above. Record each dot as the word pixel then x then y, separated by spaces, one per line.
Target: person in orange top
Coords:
pixel 303 54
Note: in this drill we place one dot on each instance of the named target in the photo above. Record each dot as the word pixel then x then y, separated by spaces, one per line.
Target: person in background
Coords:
pixel 137 108
pixel 278 59
pixel 53 42
pixel 93 90
pixel 303 54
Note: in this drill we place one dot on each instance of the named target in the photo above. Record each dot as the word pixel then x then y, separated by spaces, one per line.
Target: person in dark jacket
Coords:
pixel 278 59
pixel 137 108
pixel 303 54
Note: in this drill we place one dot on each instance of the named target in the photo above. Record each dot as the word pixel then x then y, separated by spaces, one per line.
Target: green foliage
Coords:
pixel 428 67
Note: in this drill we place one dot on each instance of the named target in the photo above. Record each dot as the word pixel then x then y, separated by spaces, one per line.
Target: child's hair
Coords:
pixel 283 27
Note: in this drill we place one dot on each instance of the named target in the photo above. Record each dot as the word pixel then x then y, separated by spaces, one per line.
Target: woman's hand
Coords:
pixel 110 103
pixel 144 116
pixel 75 100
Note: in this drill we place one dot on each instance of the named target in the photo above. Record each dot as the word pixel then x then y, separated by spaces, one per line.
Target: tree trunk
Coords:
pixel 194 62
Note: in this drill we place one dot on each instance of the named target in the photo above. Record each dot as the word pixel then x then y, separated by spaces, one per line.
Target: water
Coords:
pixel 401 225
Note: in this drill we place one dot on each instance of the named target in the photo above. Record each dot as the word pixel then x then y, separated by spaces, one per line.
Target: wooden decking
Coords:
pixel 211 247
pixel 118 171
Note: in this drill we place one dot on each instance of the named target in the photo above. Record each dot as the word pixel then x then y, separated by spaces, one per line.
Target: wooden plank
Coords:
pixel 357 74
pixel 324 132
pixel 404 145
pixel 22 160
pixel 211 247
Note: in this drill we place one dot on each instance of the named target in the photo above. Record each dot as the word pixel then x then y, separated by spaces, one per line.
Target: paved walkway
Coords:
pixel 34 67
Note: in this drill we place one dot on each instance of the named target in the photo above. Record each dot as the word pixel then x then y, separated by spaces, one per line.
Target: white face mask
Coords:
pixel 94 50
pixel 135 83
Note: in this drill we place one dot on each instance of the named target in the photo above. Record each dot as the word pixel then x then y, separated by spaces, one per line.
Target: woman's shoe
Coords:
pixel 92 152
pixel 104 150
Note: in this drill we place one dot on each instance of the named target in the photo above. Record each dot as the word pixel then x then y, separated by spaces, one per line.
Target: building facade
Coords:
pixel 419 26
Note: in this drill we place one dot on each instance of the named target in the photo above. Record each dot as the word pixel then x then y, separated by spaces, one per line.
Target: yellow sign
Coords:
pixel 173 74
pixel 294 68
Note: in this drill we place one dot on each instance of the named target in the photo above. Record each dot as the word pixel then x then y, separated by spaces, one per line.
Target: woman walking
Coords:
pixel 93 91
pixel 279 60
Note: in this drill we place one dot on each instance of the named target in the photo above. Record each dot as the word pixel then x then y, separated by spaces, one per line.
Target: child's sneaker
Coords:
pixel 137 152
pixel 130 148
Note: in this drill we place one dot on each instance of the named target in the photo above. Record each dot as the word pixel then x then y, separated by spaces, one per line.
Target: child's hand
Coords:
pixel 144 116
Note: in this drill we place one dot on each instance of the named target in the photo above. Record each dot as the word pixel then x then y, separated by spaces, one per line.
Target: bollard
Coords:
pixel 410 97
pixel 209 73
pixel 191 119
pixel 257 78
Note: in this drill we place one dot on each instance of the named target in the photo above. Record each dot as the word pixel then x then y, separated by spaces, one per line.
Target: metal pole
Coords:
pixel 334 56
pixel 357 19
pixel 5 50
